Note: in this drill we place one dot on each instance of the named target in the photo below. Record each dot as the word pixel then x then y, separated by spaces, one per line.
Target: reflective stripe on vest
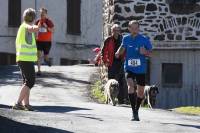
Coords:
pixel 27 53
pixel 26 46
pixel 24 50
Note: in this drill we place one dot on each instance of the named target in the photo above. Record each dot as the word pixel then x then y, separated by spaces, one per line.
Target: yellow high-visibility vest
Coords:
pixel 26 49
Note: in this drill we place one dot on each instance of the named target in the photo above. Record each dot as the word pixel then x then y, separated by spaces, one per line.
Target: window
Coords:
pixel 74 17
pixel 7 59
pixel 14 13
pixel 172 75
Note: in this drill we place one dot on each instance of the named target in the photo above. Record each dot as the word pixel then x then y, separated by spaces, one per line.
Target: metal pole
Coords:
pixel 36 5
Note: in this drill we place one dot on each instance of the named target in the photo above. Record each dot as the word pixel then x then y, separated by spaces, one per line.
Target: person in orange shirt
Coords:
pixel 44 38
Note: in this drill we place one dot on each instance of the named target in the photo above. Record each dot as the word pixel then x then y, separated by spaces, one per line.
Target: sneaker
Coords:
pixel 135 116
pixel 48 62
pixel 39 73
pixel 18 106
pixel 28 108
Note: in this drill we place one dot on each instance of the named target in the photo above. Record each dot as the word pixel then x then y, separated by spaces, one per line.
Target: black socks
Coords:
pixel 135 101
pixel 132 98
pixel 139 101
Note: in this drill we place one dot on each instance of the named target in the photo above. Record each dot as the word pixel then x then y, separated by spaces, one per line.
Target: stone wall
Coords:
pixel 163 20
pixel 108 13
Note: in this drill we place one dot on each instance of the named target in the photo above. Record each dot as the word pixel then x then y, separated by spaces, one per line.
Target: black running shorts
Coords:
pixel 44 46
pixel 140 78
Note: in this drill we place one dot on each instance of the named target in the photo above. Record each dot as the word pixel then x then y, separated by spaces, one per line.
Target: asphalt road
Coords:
pixel 61 99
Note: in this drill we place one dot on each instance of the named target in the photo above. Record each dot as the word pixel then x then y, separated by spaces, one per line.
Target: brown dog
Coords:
pixel 111 91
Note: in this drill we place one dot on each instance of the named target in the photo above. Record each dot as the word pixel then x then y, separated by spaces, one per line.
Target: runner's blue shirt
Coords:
pixel 135 62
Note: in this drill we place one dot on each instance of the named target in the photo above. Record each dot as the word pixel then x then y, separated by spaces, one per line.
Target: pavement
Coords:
pixel 62 105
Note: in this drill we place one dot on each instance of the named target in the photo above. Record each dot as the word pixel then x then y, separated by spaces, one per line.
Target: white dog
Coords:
pixel 111 91
pixel 150 93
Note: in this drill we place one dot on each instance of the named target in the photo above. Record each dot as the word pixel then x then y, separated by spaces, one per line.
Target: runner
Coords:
pixel 137 48
pixel 44 38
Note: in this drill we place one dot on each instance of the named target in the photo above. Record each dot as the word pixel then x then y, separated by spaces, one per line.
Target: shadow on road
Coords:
pixel 11 75
pixel 184 125
pixel 11 126
pixel 57 109
pixel 51 109
pixel 89 117
pixel 5 106
pixel 56 75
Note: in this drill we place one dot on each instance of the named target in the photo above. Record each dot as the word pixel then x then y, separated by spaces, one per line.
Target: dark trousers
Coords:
pixel 123 89
pixel 116 71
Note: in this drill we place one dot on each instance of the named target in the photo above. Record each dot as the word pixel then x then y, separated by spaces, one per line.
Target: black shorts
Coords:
pixel 28 73
pixel 44 46
pixel 140 78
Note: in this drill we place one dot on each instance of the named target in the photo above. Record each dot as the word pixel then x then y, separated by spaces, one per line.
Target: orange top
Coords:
pixel 44 35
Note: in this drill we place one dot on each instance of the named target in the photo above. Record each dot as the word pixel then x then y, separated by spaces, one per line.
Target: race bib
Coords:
pixel 42 29
pixel 134 62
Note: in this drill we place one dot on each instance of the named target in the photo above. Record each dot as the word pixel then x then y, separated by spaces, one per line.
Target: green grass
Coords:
pixel 188 110
pixel 97 92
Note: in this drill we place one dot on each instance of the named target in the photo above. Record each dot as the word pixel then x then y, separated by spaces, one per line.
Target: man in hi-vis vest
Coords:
pixel 26 55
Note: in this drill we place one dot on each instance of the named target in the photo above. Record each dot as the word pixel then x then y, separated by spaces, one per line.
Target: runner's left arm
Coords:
pixel 147 49
pixel 50 26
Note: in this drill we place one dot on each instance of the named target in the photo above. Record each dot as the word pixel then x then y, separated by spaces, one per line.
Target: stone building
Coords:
pixel 77 28
pixel 174 28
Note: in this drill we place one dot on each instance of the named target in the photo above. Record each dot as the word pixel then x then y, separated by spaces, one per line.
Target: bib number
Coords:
pixel 134 62
pixel 42 29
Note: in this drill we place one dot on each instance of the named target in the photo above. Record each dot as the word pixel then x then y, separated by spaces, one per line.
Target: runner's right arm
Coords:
pixel 33 28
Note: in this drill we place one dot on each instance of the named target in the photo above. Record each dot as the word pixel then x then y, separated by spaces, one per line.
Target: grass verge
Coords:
pixel 97 92
pixel 188 110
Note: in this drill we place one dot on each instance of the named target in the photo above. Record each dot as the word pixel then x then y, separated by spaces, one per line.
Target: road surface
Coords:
pixel 63 106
